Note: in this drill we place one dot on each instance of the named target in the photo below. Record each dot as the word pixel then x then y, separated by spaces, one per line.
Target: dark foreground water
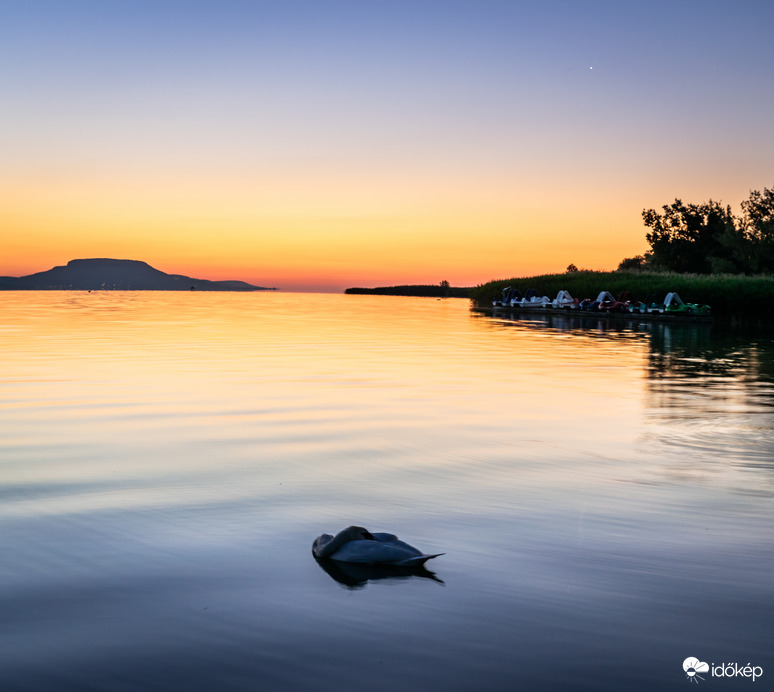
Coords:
pixel 604 495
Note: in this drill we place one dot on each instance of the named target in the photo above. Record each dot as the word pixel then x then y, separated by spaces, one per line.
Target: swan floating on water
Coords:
pixel 358 545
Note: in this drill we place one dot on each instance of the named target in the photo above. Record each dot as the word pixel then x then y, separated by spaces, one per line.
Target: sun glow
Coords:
pixel 326 149
pixel 302 232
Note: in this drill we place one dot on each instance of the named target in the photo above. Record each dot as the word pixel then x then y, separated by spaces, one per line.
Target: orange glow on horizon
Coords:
pixel 298 234
pixel 270 145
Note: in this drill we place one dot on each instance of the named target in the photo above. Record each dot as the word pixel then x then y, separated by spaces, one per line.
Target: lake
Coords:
pixel 603 493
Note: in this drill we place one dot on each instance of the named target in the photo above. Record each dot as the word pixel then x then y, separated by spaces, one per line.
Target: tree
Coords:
pixel 636 262
pixel 708 239
pixel 687 238
pixel 757 224
pixel 571 268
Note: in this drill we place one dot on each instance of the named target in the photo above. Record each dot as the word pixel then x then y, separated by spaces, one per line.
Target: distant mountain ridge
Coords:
pixel 116 275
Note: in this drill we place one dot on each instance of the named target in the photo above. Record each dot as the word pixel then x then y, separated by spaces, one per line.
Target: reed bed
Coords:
pixel 729 295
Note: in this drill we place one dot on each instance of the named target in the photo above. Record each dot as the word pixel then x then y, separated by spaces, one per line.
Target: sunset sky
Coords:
pixel 320 144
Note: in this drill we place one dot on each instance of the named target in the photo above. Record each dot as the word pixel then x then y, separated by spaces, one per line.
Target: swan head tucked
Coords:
pixel 326 545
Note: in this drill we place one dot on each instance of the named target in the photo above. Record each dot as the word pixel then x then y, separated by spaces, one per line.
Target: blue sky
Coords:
pixel 406 110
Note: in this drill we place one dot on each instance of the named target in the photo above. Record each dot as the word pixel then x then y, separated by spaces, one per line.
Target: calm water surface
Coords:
pixel 604 495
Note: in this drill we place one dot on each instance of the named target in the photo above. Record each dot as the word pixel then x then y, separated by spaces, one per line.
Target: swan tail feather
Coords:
pixel 419 560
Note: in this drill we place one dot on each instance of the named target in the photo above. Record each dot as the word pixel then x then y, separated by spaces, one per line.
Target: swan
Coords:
pixel 358 545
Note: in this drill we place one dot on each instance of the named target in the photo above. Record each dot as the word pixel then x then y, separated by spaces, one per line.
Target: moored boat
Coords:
pixel 605 304
pixel 532 299
pixel 564 301
pixel 674 305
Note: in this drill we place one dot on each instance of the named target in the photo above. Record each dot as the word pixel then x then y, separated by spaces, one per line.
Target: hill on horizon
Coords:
pixel 103 274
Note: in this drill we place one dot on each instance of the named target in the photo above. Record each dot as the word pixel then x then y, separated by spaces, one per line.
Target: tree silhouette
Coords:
pixel 686 238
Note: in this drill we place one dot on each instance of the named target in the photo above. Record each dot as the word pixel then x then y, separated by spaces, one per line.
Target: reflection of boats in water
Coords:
pixel 653 316
pixel 565 320
pixel 664 337
pixel 356 576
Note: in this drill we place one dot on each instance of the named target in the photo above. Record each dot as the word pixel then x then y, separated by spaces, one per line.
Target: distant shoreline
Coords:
pixel 421 291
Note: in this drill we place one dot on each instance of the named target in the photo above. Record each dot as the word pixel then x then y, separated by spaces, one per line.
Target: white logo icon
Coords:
pixel 692 667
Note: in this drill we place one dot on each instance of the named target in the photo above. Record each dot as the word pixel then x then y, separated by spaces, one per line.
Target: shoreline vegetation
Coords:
pixel 703 252
pixel 442 290
pixel 730 296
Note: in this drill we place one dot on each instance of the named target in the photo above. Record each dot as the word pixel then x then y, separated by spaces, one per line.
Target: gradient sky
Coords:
pixel 320 144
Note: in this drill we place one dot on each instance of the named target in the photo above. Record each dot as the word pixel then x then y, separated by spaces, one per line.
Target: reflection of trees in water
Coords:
pixel 711 402
pixel 720 364
pixel 677 351
pixel 709 388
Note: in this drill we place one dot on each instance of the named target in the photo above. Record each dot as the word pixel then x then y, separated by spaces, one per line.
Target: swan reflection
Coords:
pixel 356 576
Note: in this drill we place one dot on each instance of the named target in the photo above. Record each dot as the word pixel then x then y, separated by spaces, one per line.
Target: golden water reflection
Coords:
pixel 155 369
pixel 167 459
